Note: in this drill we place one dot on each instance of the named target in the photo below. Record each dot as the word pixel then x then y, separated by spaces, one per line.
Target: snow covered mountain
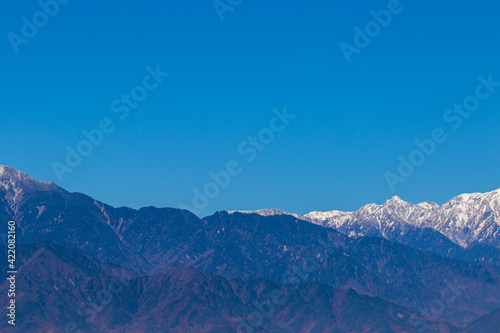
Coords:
pixel 467 220
pixel 15 186
pixel 470 218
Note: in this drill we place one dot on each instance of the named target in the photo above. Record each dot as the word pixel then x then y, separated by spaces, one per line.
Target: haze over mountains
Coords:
pixel 210 275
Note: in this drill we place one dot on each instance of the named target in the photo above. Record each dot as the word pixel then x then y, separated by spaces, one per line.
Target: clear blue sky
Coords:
pixel 353 120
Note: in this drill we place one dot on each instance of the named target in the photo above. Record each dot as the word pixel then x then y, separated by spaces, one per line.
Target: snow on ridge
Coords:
pixel 466 219
pixel 16 186
pixel 9 174
pixel 266 212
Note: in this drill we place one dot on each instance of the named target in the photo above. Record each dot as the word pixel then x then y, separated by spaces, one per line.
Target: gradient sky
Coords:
pixel 226 77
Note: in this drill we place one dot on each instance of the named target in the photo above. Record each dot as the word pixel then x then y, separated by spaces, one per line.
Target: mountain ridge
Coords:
pixel 250 246
pixel 467 219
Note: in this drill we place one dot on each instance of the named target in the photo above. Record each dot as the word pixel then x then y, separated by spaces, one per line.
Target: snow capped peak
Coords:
pixel 7 171
pixel 10 177
pixel 467 219
pixel 16 185
pixel 395 199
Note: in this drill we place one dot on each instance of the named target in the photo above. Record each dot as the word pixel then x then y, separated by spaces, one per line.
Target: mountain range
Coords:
pixel 186 274
pixel 183 299
pixel 471 221
pixel 467 220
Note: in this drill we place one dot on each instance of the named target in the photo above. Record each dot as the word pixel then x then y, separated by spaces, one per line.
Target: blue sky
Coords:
pixel 353 120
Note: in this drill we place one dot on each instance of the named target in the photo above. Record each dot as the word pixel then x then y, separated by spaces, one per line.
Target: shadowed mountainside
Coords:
pixel 69 290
